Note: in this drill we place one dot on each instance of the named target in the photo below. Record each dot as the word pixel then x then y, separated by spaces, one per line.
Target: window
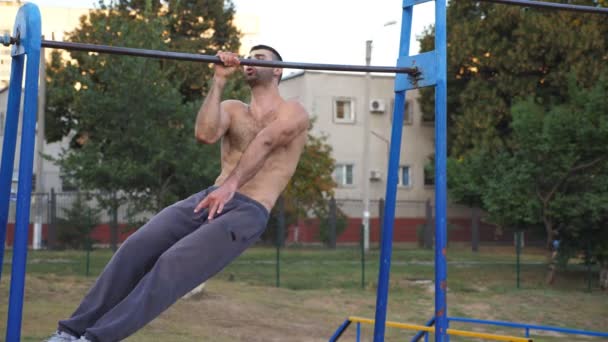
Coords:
pixel 343 174
pixel 429 177
pixel 405 178
pixel 67 184
pixel 408 112
pixel 344 110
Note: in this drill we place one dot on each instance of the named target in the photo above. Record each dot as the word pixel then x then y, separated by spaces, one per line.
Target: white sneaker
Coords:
pixel 61 336
pixel 82 339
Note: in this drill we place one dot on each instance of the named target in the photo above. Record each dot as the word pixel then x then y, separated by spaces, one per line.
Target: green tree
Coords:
pixel 132 137
pixel 506 61
pixel 74 226
pixel 196 26
pixel 555 174
pixel 498 54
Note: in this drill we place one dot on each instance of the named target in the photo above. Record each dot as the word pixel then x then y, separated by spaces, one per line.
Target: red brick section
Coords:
pixel 405 230
pixel 101 233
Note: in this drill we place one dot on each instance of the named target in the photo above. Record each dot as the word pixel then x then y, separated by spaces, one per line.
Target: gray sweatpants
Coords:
pixel 166 258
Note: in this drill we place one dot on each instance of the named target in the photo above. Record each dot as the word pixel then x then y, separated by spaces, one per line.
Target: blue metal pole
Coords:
pixel 391 187
pixel 8 147
pixel 424 334
pixel 529 327
pixel 31 29
pixel 341 329
pixel 441 322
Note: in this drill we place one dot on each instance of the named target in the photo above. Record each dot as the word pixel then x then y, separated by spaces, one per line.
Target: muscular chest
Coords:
pixel 243 130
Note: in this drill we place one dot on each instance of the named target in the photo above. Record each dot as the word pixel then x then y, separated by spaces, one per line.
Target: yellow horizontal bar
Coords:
pixel 449 331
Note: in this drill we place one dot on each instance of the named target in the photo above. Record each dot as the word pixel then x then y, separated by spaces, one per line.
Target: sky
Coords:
pixel 323 31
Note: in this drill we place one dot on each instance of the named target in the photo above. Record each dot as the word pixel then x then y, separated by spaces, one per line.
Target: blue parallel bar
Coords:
pixel 8 147
pixel 424 334
pixel 341 329
pixel 441 321
pixel 358 331
pixel 391 187
pixel 529 327
pixel 29 18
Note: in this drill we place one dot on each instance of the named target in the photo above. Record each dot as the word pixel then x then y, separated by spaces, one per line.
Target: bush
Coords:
pixel 74 228
pixel 325 226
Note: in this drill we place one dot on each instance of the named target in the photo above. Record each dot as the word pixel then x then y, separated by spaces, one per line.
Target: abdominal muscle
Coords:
pixel 266 186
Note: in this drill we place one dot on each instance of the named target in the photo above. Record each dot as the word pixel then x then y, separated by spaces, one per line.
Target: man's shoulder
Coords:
pixel 291 108
pixel 234 105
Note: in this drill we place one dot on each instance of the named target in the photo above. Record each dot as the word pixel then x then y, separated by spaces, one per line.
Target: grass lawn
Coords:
pixel 320 288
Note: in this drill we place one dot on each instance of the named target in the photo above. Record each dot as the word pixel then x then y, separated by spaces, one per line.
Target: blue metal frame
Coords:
pixel 441 277
pixel 434 68
pixel 8 147
pixel 391 185
pixel 528 327
pixel 424 334
pixel 434 64
pixel 28 29
pixel 341 329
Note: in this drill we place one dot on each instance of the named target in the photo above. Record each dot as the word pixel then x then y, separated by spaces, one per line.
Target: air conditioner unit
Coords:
pixel 377 106
pixel 375 175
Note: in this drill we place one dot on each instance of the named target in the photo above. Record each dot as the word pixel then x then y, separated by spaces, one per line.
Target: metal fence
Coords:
pixel 71 219
pixel 55 212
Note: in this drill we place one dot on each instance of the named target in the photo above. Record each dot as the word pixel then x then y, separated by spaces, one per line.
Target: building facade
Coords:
pixel 336 103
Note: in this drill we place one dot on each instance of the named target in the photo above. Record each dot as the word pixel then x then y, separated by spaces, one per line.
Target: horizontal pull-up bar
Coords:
pixel 183 56
pixel 553 5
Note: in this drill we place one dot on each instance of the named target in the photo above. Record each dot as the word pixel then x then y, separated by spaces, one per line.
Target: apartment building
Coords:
pixel 336 102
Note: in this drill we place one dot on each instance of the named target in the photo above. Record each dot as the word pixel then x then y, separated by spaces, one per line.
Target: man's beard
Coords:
pixel 259 78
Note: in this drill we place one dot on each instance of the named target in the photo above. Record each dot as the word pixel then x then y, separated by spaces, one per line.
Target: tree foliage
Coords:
pixel 130 120
pixel 554 176
pixel 75 224
pixel 527 117
pixel 196 26
pixel 498 54
pixel 131 133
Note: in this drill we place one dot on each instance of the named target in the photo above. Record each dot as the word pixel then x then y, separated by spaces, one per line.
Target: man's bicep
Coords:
pixel 226 109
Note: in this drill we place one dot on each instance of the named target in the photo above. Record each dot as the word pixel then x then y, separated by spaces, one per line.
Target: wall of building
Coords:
pixel 317 92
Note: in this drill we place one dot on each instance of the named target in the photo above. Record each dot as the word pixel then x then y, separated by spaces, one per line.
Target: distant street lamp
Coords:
pixel 366 136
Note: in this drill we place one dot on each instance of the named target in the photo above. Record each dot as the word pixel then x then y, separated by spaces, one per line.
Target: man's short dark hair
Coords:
pixel 275 54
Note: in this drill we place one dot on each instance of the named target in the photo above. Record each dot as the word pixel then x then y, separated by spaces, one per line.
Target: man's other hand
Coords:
pixel 217 199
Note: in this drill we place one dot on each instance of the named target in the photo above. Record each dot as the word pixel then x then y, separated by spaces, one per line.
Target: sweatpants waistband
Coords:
pixel 244 198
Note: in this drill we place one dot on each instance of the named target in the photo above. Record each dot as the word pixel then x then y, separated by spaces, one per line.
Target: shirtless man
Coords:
pixel 192 240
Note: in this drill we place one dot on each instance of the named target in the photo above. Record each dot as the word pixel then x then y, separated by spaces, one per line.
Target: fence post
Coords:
pixel 332 222
pixel 52 233
pixel 362 243
pixel 114 224
pixel 428 227
pixel 280 239
pixel 475 229
pixel 518 252
pixel 588 264
pixel 381 217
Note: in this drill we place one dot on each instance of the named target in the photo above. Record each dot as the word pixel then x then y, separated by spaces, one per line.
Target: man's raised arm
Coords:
pixel 213 119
